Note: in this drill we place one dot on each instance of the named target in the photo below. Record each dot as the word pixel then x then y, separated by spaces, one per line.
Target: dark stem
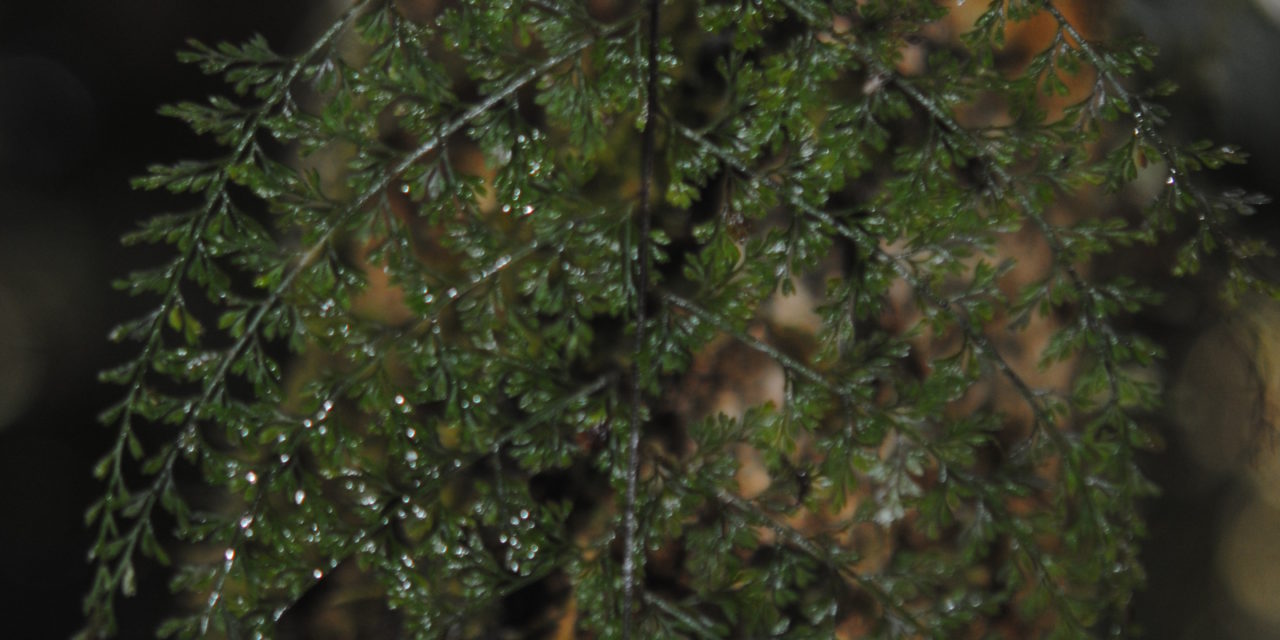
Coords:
pixel 641 290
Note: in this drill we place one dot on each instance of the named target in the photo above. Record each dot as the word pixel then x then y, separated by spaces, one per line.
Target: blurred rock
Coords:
pixel 1249 564
pixel 1223 54
pixel 1226 399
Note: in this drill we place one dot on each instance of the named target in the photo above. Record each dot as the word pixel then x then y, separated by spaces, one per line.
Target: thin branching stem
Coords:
pixel 1007 183
pixel 1091 314
pixel 215 194
pixel 701 627
pixel 972 333
pixel 723 324
pixel 752 512
pixel 473 459
pixel 639 365
pixel 163 481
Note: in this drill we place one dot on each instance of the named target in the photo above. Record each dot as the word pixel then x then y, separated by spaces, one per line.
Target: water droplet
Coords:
pixel 408 561
pixel 306 424
pixel 452 293
pixel 404 188
pixel 515 521
pixel 246 521
pixel 251 477
pixel 502 538
pixel 528 209
pixel 411 433
pixel 399 400
pixel 1170 180
pixel 502 262
pixel 506 208
pixel 299 496
pixel 411 456
pixel 476 399
pixel 524 514
pixel 284 458
pixel 229 554
pixel 317 573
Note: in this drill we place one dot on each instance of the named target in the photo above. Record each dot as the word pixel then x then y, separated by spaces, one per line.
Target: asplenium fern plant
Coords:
pixel 440 325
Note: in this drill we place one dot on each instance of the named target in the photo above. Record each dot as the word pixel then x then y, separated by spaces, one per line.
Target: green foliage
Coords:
pixel 468 435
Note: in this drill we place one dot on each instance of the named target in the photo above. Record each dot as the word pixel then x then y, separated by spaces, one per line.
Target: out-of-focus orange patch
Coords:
pixel 1024 39
pixel 1033 34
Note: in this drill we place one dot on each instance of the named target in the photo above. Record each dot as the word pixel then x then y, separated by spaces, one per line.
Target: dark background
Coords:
pixel 80 82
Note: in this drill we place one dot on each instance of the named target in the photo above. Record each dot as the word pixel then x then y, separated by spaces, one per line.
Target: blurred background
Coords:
pixel 80 82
